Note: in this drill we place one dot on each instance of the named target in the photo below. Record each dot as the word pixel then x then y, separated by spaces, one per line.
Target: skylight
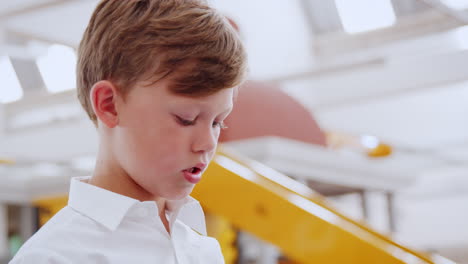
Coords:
pixel 456 4
pixel 364 15
pixel 369 141
pixel 57 68
pixel 460 37
pixel 10 87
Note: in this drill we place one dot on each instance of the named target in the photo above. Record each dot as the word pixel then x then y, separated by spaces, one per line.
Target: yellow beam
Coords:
pixel 5 161
pixel 289 215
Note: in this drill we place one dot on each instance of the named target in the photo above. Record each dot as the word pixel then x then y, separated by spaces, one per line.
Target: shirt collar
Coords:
pixel 189 211
pixel 109 208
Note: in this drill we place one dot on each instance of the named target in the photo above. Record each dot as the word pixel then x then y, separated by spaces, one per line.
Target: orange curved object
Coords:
pixel 262 109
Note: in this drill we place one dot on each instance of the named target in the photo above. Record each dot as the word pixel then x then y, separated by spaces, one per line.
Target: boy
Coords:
pixel 156 77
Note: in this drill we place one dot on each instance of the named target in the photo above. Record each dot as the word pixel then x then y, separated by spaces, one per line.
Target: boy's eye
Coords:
pixel 220 125
pixel 185 122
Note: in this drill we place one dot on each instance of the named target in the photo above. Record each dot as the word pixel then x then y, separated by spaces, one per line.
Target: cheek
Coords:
pixel 164 146
pixel 153 142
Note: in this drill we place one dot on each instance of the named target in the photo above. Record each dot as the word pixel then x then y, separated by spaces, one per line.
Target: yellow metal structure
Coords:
pixel 49 206
pixel 289 215
pixel 337 140
pixel 225 233
pixel 382 150
pixel 277 209
pixel 6 161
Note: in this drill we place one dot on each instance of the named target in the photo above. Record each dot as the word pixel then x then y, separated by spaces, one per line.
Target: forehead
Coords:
pixel 160 92
pixel 222 99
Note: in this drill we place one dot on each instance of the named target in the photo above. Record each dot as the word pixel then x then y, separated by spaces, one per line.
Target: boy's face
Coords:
pixel 162 137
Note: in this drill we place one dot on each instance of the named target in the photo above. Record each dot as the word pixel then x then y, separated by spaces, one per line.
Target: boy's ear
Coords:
pixel 103 97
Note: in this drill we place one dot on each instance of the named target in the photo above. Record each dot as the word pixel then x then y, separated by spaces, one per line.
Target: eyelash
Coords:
pixel 185 122
pixel 221 125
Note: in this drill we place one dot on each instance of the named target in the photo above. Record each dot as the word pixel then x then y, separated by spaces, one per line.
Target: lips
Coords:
pixel 193 174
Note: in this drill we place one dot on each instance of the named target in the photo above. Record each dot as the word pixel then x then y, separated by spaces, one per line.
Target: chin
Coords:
pixel 180 194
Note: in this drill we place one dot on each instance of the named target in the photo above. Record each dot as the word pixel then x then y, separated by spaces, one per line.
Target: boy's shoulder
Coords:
pixel 40 256
pixel 55 240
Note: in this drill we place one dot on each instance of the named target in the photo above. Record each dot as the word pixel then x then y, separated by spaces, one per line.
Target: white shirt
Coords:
pixel 98 226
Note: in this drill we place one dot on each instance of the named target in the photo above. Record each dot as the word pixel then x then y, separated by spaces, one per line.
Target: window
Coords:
pixel 57 68
pixel 364 15
pixel 456 4
pixel 10 87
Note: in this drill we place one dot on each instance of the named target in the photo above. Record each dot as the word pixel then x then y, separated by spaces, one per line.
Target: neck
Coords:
pixel 112 177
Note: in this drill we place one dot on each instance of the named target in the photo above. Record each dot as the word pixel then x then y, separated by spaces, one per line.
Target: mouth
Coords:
pixel 194 170
pixel 193 174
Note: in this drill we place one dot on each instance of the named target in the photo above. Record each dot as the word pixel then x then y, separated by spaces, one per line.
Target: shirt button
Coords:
pixel 142 212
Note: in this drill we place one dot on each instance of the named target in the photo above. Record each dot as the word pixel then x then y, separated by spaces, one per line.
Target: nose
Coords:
pixel 205 141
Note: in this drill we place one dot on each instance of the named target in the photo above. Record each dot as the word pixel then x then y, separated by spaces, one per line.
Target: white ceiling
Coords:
pixel 7 7
pixel 410 92
pixel 407 85
pixel 424 119
pixel 63 23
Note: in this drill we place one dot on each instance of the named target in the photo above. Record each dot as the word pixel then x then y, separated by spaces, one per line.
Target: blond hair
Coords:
pixel 127 41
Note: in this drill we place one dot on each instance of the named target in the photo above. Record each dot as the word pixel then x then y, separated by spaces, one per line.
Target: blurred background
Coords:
pixel 360 104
